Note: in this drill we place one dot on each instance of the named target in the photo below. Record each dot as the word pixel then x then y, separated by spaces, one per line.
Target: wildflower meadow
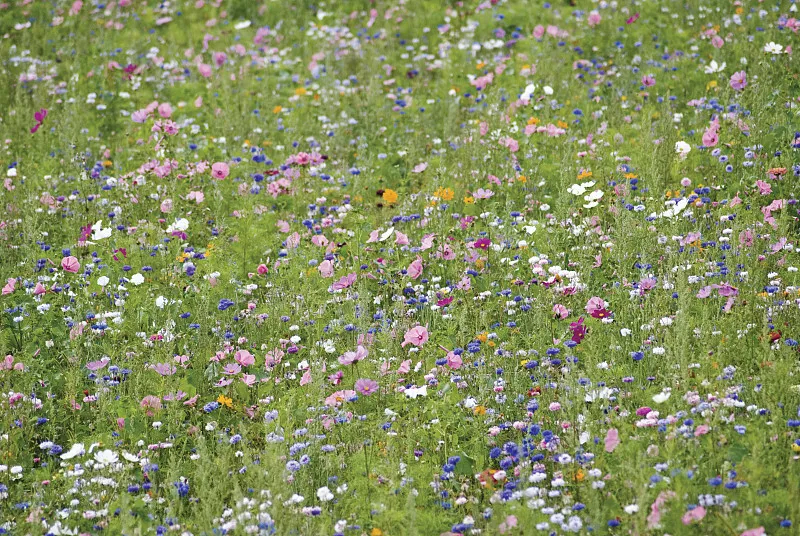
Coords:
pixel 400 267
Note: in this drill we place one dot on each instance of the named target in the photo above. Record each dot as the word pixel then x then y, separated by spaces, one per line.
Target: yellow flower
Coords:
pixel 469 200
pixel 107 163
pixel 533 121
pixel 523 179
pixel 445 194
pixel 300 91
pixel 390 196
pixel 711 85
pixel 631 176
pixel 479 410
pixel 277 109
pixel 225 401
pixel 482 337
pixel 562 124
pixel 584 174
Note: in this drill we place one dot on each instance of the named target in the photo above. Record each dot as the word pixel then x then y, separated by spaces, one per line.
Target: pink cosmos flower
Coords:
pixel 336 399
pixel 596 307
pixel 365 386
pixel 648 81
pixel 739 80
pixel 220 170
pixel 417 336
pixel 480 193
pixel 349 358
pixel 560 312
pixel 70 264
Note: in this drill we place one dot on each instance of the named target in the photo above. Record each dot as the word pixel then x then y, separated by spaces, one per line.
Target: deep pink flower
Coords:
pixel 482 243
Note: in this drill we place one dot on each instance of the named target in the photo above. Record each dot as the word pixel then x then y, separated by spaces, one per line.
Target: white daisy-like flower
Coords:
pixel 76 450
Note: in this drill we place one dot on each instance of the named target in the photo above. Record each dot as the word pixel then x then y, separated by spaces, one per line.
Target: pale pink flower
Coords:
pixel 694 515
pixel 415 268
pixel 70 264
pixel 220 170
pixel 326 268
pixel 417 336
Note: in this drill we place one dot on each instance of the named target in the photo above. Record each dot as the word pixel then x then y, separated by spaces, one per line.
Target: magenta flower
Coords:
pixel 482 243
pixel 648 81
pixel 578 330
pixel 39 118
pixel 366 387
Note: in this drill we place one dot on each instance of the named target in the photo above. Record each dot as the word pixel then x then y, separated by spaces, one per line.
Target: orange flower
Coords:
pixel 390 196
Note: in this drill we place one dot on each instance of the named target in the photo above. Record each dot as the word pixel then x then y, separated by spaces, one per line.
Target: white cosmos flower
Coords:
pixel 106 456
pixel 98 233
pixel 130 457
pixel 137 279
pixel 661 397
pixel 528 93
pixel 181 224
pixel 714 67
pixel 242 25
pixel 576 189
pixel 682 148
pixel 773 48
pixel 102 280
pixel 675 209
pixel 76 450
pixel 414 392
